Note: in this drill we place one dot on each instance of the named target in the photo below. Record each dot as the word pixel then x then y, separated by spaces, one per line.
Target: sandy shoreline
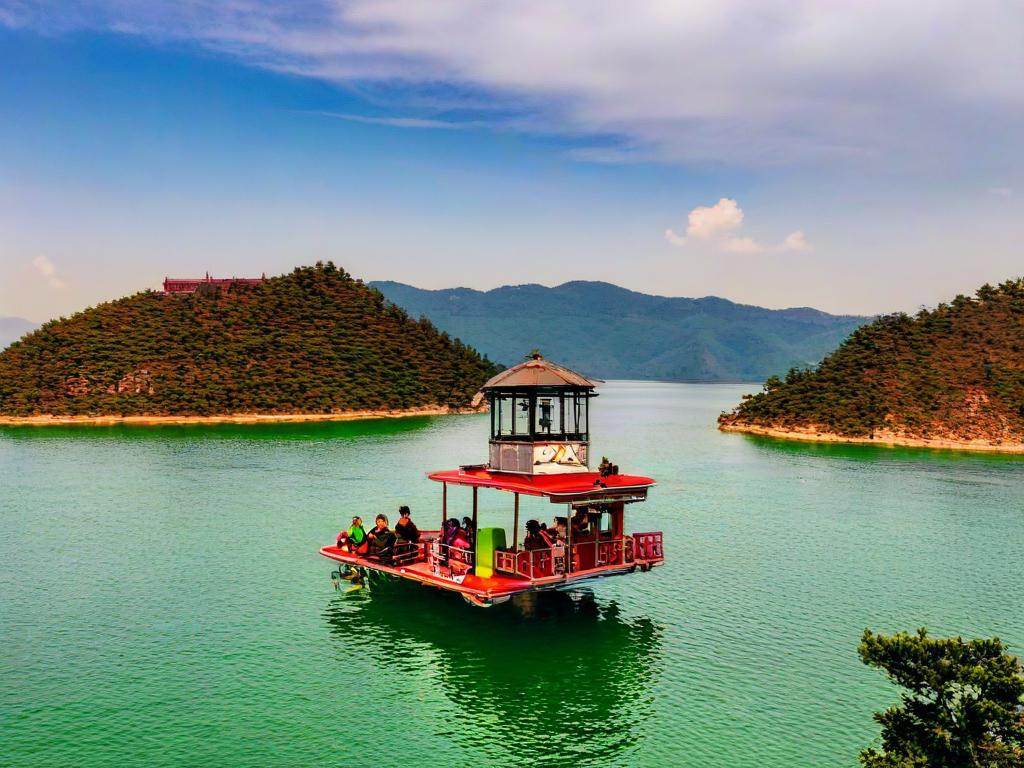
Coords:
pixel 233 418
pixel 881 438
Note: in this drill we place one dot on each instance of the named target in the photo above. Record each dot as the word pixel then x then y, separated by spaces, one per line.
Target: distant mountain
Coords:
pixel 312 341
pixel 953 373
pixel 13 328
pixel 607 331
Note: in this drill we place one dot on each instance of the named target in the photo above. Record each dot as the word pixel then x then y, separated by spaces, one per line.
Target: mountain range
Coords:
pixel 604 330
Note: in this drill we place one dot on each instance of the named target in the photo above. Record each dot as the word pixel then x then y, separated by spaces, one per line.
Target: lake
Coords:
pixel 162 601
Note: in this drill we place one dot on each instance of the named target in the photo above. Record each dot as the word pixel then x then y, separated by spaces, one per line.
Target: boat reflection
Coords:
pixel 551 678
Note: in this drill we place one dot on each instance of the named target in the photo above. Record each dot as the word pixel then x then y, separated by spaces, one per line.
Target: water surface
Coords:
pixel 162 602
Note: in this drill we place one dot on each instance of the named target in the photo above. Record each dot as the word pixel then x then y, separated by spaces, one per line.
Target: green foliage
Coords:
pixel 607 331
pixel 963 706
pixel 313 341
pixel 955 371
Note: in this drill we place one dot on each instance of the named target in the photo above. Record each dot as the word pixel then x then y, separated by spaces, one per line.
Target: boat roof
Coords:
pixel 538 372
pixel 567 487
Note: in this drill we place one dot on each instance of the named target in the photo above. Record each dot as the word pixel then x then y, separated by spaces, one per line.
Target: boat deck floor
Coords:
pixel 495 586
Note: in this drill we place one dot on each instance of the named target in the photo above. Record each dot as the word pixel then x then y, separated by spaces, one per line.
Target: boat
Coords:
pixel 539 446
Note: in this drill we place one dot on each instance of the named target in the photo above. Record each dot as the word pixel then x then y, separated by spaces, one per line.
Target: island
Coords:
pixel 312 344
pixel 950 377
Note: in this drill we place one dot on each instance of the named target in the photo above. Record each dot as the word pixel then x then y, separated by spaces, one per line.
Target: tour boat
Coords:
pixel 539 446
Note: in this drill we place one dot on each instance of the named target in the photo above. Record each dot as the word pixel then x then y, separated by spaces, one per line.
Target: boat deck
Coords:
pixel 427 565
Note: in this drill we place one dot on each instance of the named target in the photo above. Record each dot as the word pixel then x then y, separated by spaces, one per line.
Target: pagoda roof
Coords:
pixel 538 372
pixel 566 487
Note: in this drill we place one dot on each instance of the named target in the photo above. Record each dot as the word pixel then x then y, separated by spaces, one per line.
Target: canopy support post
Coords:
pixel 568 539
pixel 444 506
pixel 515 525
pixel 473 538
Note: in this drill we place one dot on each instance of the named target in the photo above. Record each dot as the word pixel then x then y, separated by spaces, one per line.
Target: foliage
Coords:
pixel 955 371
pixel 313 341
pixel 607 331
pixel 964 705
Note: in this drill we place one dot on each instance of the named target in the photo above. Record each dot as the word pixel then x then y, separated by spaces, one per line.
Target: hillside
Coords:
pixel 610 332
pixel 13 328
pixel 313 341
pixel 955 373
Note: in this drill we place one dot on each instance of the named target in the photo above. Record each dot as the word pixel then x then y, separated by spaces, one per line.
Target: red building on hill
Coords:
pixel 189 285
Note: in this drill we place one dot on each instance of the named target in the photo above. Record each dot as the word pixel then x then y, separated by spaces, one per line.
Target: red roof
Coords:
pixel 570 486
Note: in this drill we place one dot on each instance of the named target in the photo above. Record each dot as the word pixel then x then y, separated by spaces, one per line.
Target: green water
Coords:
pixel 162 602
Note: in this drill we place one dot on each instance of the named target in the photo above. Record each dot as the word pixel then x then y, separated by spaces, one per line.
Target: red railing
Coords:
pixel 587 556
pixel 649 546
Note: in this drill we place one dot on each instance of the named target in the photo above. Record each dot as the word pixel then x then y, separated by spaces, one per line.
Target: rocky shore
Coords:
pixel 232 418
pixel 881 437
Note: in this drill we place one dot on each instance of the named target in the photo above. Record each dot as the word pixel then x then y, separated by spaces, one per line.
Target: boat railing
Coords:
pixel 551 561
pixel 649 546
pixel 449 561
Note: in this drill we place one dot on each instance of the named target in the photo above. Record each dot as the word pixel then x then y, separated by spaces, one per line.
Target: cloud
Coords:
pixel 1002 191
pixel 718 224
pixel 404 122
pixel 740 82
pixel 46 269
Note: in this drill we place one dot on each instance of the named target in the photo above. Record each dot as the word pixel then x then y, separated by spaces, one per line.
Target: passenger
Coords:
pixel 381 540
pixel 561 527
pixel 537 536
pixel 469 530
pixel 408 535
pixel 449 531
pixel 462 545
pixel 354 538
pixel 405 527
pixel 581 524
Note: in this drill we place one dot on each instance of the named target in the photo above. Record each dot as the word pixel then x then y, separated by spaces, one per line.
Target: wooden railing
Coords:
pixel 587 555
pixel 649 546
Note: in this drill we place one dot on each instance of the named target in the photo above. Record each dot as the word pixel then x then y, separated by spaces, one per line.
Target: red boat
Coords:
pixel 539 447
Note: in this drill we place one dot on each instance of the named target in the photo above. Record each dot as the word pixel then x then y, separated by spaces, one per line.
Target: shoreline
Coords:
pixel 883 438
pixel 232 418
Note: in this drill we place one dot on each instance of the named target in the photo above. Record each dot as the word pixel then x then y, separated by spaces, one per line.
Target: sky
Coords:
pixel 859 157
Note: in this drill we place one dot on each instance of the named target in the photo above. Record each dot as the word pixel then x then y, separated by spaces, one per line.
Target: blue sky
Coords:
pixel 855 158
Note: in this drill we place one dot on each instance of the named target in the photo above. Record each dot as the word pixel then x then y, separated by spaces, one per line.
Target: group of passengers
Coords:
pixel 380 542
pixel 540 536
pixel 458 536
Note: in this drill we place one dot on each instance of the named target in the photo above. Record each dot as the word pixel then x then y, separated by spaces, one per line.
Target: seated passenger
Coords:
pixel 462 546
pixel 354 538
pixel 469 530
pixel 449 531
pixel 408 535
pixel 537 536
pixel 405 527
pixel 381 539
pixel 581 524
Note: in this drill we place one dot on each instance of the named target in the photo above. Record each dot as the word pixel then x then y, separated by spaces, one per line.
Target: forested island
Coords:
pixel 315 343
pixel 948 377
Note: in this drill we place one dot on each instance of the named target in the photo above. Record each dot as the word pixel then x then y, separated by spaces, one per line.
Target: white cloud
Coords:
pixel 718 224
pixel 1002 191
pixel 742 82
pixel 46 269
pixel 718 220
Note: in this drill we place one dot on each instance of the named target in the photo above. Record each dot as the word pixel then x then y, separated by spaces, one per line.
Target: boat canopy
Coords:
pixel 563 488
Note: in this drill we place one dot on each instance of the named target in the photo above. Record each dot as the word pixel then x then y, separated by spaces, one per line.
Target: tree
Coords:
pixel 964 705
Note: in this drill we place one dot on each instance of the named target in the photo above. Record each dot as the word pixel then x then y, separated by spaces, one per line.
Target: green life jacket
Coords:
pixel 357 534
